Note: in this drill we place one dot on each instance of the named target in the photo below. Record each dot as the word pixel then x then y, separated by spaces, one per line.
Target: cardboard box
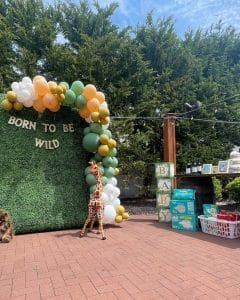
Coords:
pixel 164 169
pixel 184 222
pixel 183 194
pixel 210 210
pixel 164 184
pixel 183 207
pixel 163 199
pixel 164 215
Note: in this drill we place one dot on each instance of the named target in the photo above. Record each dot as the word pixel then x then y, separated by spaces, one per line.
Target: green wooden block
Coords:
pixel 164 185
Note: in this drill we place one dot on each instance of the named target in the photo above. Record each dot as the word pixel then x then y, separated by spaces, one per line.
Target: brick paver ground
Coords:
pixel 140 259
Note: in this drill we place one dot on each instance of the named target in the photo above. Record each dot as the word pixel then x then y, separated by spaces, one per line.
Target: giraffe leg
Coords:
pixel 92 223
pixel 82 233
pixel 100 219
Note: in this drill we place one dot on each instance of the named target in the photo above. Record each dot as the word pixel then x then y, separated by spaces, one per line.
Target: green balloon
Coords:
pixel 65 84
pixel 96 127
pixel 107 132
pixel 109 172
pixel 112 152
pixel 92 188
pixel 86 130
pixel 108 161
pixel 80 101
pixel 101 168
pixel 97 156
pixel 87 170
pixel 70 97
pixel 115 162
pixel 91 179
pixel 91 142
pixel 77 86
pixel 104 180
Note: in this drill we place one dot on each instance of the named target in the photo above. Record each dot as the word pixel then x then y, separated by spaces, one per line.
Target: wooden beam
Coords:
pixel 169 138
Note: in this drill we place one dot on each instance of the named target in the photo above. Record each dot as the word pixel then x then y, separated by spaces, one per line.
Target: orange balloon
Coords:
pixel 52 86
pixel 41 87
pixel 50 101
pixel 100 96
pixel 38 77
pixel 93 105
pixel 84 112
pixel 56 108
pixel 89 91
pixel 38 105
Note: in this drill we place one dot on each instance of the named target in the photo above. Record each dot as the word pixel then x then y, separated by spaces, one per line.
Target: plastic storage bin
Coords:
pixel 227 229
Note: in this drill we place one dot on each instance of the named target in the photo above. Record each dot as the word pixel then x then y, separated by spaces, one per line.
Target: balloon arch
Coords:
pixel 92 106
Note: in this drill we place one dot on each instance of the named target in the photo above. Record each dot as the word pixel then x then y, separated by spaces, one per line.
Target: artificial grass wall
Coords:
pixel 43 189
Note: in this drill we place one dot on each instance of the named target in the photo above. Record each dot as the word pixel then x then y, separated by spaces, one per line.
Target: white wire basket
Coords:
pixel 223 228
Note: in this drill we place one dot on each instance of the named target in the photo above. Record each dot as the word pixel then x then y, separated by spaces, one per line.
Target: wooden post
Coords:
pixel 169 139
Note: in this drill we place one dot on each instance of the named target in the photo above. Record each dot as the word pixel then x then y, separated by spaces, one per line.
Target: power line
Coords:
pixel 210 121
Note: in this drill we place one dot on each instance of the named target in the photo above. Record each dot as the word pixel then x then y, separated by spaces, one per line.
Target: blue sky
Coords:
pixel 186 13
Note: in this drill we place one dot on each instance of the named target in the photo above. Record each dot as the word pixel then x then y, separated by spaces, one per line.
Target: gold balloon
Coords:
pixel 17 106
pixel 104 121
pixel 118 219
pixel 7 105
pixel 95 116
pixel 112 143
pixel 103 150
pixel 11 96
pixel 125 215
pixel 61 98
pixel 116 171
pixel 104 139
pixel 104 112
pixel 59 89
pixel 120 209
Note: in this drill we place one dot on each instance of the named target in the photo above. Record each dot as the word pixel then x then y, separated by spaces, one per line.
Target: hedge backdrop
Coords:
pixel 43 189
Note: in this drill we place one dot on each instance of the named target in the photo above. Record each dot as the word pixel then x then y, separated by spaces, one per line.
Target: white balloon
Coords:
pixel 113 181
pixel 105 126
pixel 15 86
pixel 109 214
pixel 108 188
pixel 23 96
pixel 28 103
pixel 26 80
pixel 105 198
pixel 116 192
pixel 103 105
pixel 88 120
pixel 116 202
pixel 22 85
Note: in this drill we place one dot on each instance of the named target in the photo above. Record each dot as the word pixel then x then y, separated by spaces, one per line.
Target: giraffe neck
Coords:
pixel 98 190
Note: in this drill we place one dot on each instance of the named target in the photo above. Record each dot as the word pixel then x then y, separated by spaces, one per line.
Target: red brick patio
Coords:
pixel 142 259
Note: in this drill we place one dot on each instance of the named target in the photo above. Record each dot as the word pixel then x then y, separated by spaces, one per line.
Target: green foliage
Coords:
pixel 43 189
pixel 234 189
pixel 217 187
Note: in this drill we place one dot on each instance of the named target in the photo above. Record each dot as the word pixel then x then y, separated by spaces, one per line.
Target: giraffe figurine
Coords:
pixel 95 206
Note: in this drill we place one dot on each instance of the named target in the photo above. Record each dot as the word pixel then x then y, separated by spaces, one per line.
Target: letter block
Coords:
pixel 164 169
pixel 164 215
pixel 163 199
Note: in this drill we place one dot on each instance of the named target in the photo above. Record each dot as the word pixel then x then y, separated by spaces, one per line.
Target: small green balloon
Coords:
pixel 109 172
pixel 65 84
pixel 101 168
pixel 96 127
pixel 77 86
pixel 91 142
pixel 92 188
pixel 91 179
pixel 104 180
pixel 81 101
pixel 70 97
pixel 107 132
pixel 107 161
pixel 97 156
pixel 112 152
pixel 115 162
pixel 87 171
pixel 86 130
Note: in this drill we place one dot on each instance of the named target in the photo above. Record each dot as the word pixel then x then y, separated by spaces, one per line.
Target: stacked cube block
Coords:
pixel 164 173
pixel 183 209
